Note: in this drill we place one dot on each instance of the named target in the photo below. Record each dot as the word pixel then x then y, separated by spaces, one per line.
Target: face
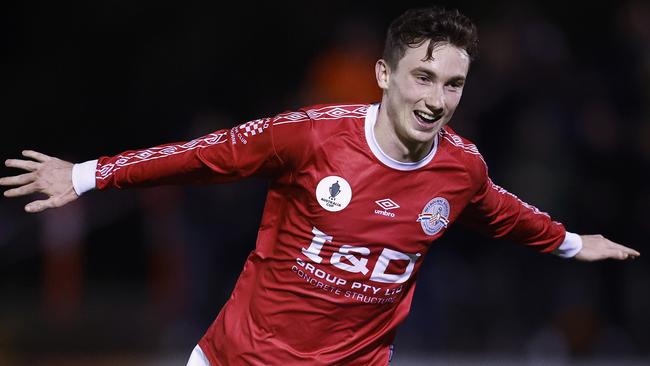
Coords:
pixel 420 96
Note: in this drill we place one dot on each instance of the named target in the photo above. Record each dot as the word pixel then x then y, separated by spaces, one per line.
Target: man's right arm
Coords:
pixel 223 156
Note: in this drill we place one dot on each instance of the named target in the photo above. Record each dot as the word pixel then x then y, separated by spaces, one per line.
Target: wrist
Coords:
pixel 83 176
pixel 571 245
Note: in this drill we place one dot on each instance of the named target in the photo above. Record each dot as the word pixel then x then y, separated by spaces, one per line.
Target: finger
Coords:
pixel 21 191
pixel 622 255
pixel 22 164
pixel 41 205
pixel 625 249
pixel 36 155
pixel 633 253
pixel 18 180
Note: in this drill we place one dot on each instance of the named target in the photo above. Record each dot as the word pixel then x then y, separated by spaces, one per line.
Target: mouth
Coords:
pixel 427 120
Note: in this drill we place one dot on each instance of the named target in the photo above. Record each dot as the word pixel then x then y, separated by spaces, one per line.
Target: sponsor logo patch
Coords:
pixel 387 204
pixel 333 193
pixel 434 216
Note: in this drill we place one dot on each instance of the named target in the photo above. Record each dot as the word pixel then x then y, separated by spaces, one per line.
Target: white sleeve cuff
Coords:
pixel 83 176
pixel 571 245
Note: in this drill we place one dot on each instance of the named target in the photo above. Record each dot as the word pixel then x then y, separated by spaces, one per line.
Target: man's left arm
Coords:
pixel 500 214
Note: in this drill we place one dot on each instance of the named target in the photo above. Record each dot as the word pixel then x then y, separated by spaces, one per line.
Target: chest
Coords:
pixel 349 195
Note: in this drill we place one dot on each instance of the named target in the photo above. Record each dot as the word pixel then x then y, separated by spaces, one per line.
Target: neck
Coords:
pixel 396 146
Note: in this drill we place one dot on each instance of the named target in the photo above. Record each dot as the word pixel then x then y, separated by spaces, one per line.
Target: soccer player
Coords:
pixel 357 195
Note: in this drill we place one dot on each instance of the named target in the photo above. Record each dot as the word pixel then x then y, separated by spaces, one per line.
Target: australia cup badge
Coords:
pixel 333 193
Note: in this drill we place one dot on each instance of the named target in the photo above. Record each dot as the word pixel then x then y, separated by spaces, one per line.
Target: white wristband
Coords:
pixel 83 176
pixel 571 245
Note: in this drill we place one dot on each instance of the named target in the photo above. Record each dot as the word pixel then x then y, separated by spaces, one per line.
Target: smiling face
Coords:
pixel 420 96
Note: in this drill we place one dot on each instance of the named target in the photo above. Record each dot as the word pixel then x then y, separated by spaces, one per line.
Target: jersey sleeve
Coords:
pixel 499 214
pixel 262 147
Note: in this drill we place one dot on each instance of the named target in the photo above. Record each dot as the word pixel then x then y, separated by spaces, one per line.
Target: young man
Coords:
pixel 357 195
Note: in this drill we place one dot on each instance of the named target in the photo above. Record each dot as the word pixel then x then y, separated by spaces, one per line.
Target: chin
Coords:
pixel 424 136
pixel 429 133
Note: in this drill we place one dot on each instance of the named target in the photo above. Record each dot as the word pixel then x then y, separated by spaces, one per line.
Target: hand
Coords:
pixel 597 247
pixel 47 175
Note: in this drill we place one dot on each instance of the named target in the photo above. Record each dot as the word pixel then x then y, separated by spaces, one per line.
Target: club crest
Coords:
pixel 434 216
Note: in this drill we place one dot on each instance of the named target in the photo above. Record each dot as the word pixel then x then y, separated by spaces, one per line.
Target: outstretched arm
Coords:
pixel 256 147
pixel 500 214
pixel 45 174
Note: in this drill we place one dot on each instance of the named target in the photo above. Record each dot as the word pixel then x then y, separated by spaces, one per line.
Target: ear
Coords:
pixel 382 73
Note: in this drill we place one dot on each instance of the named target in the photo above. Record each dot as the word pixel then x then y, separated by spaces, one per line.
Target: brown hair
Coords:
pixel 416 26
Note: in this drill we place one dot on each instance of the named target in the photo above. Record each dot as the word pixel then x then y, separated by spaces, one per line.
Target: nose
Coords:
pixel 435 99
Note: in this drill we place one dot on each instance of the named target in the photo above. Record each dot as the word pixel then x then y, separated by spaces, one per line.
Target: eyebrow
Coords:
pixel 432 74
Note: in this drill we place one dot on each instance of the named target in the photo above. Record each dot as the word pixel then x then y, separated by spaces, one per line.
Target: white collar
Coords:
pixel 371 119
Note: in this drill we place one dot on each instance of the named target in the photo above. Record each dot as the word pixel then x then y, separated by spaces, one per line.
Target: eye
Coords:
pixel 456 84
pixel 423 78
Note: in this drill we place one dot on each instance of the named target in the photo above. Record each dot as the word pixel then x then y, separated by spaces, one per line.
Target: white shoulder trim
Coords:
pixel 327 112
pixel 371 119
pixel 458 142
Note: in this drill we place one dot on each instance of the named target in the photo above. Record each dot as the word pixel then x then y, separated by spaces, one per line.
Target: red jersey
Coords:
pixel 344 231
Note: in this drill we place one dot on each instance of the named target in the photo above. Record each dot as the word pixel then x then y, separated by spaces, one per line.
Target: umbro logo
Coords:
pixel 386 204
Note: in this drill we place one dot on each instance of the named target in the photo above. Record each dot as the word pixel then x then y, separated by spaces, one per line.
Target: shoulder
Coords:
pixel 464 150
pixel 328 112
pixel 456 142
pixel 322 112
pixel 303 131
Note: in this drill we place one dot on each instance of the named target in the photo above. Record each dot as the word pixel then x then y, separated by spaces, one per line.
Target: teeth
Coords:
pixel 426 116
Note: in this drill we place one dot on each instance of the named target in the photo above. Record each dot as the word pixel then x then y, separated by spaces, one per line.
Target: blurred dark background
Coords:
pixel 558 103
